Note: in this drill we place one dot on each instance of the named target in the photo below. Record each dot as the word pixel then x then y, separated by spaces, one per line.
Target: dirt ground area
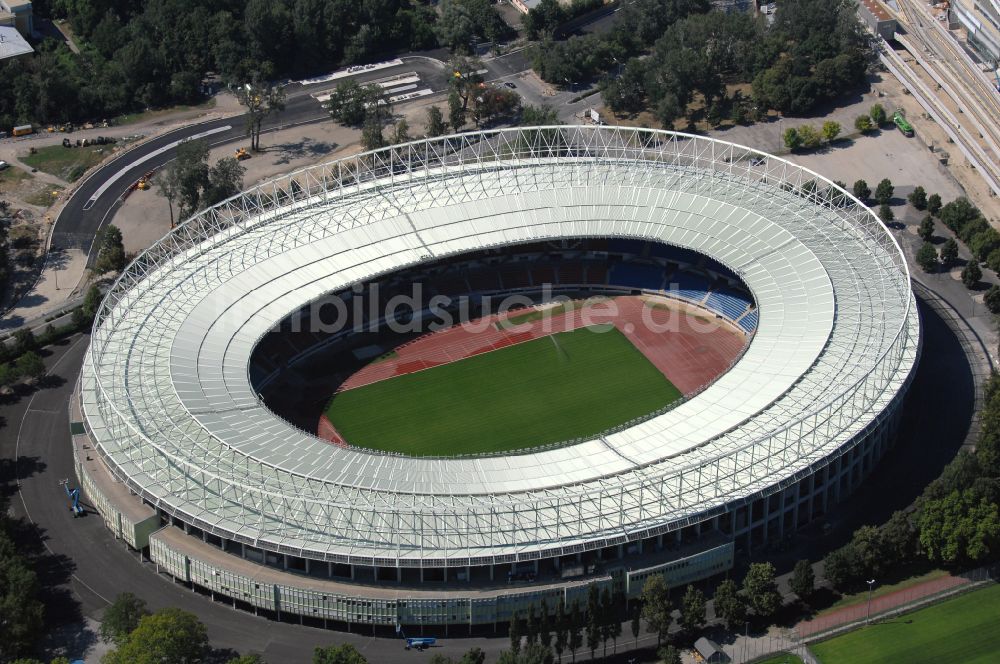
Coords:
pixel 908 162
pixel 145 217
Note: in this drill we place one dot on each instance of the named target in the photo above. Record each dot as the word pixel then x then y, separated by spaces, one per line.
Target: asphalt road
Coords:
pixel 83 567
pixel 93 204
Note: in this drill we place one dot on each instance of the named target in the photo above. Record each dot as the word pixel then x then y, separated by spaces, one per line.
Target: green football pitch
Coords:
pixel 547 390
pixel 965 629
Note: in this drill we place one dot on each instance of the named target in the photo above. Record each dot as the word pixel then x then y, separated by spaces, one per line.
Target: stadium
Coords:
pixel 365 468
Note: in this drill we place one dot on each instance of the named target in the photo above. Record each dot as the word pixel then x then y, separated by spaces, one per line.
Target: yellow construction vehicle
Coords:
pixel 146 181
pixel 242 154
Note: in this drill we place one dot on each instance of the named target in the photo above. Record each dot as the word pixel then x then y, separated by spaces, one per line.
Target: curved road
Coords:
pixel 83 567
pixel 96 199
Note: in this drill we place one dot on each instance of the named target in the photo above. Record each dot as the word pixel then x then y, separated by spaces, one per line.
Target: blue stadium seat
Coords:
pixel 729 303
pixel 749 322
pixel 636 275
pixel 689 286
pixel 625 246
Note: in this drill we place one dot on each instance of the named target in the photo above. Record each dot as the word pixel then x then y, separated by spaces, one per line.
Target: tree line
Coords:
pixel 136 55
pixel 812 53
pixel 955 522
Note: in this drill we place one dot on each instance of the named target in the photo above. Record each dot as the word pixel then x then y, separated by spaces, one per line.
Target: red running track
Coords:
pixel 687 344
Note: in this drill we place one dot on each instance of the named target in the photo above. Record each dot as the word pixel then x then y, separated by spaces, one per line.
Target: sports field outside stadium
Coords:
pixel 547 390
pixel 965 629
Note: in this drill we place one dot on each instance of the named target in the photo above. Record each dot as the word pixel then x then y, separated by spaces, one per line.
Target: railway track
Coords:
pixel 977 123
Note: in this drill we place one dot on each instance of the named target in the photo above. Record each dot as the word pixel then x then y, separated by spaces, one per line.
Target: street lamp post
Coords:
pixel 868 615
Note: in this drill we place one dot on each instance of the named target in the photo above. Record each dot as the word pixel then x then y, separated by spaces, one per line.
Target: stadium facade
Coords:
pixel 183 460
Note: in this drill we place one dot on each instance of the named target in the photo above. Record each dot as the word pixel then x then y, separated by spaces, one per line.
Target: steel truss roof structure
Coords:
pixel 168 402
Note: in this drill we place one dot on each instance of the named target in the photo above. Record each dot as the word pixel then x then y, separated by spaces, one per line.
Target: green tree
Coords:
pixel 111 256
pixel 883 192
pixel 401 132
pixel 30 366
pixel 898 539
pixel 169 635
pixel 187 176
pixel 371 135
pixel 959 528
pixel 831 130
pixel 809 138
pixel 544 625
pixel 793 141
pixel 867 544
pixel 8 375
pixel 168 187
pixel 693 610
pixel 877 114
pixel 575 628
pixel 253 658
pixel 593 619
pixel 561 628
pixel 261 99
pixel 926 228
pixel 78 319
pixel 347 103
pixel 345 653
pixel 613 619
pixel 514 631
pixel 530 654
pixel 934 203
pixel 840 567
pixel 992 299
pixel 636 624
pixel 22 611
pixel 456 112
pixel 949 252
pixel 885 213
pixel 669 655
pixel 803 581
pixel 971 274
pixel 729 605
pixel 531 626
pixel 761 589
pixel 92 301
pixel 861 190
pixel 473 656
pixel 927 257
pixel 863 123
pixel 24 341
pixel 656 607
pixel 225 180
pixel 918 198
pixel 435 122
pixel 122 617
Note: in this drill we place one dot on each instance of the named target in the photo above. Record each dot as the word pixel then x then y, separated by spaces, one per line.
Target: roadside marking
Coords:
pixel 350 71
pixel 155 153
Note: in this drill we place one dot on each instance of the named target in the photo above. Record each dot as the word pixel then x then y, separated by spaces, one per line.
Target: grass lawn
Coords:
pixel 66 163
pixel 548 390
pixel 862 596
pixel 784 658
pixel 965 629
pixel 13 176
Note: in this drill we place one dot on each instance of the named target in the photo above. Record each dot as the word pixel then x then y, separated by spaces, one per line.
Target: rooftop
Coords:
pixel 12 44
pixel 877 10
